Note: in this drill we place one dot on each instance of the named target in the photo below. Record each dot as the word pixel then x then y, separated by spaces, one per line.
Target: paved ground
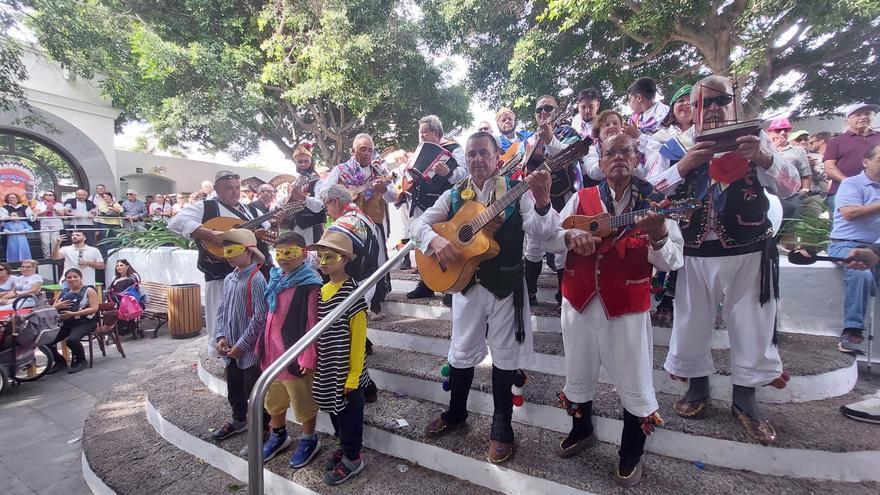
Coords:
pixel 41 422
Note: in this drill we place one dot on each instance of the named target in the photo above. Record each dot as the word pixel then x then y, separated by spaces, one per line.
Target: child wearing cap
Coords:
pixel 241 316
pixel 292 296
pixel 340 373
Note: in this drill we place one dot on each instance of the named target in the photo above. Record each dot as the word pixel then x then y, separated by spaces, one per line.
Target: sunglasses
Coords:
pixel 227 176
pixel 288 253
pixel 720 100
pixel 328 258
pixel 233 250
pixel 545 109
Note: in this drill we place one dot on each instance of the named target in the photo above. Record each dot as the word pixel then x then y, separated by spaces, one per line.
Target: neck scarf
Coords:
pixel 278 282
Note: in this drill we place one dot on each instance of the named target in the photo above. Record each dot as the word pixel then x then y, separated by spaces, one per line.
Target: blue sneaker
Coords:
pixel 275 444
pixel 305 452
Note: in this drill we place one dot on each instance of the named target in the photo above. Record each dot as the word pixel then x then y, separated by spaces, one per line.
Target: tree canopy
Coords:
pixel 524 49
pixel 228 74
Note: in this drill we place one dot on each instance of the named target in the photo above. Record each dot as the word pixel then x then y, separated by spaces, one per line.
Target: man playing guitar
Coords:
pixel 493 309
pixel 188 223
pixel 308 222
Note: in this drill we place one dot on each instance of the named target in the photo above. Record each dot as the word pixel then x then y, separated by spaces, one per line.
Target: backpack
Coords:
pixel 129 308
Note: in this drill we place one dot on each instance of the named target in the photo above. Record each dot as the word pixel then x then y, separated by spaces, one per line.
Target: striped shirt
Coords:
pixel 335 348
pixel 237 321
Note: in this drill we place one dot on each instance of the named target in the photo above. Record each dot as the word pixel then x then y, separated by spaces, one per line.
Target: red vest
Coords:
pixel 618 272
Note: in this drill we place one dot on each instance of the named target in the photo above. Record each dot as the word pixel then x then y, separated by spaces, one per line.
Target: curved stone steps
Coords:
pixel 535 469
pixel 817 369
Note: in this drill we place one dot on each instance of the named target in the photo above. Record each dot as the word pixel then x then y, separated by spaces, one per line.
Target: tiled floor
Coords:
pixel 41 422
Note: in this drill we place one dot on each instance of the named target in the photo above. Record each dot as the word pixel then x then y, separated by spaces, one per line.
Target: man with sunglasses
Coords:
pixel 779 132
pixel 188 223
pixel 47 210
pixel 550 139
pixel 729 254
pixel 134 211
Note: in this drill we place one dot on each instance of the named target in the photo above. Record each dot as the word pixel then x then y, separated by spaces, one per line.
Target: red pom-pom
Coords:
pixel 308 146
pixel 728 168
pixel 518 400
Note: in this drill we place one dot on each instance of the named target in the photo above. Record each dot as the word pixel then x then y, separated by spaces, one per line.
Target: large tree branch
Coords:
pixel 625 30
pixel 639 61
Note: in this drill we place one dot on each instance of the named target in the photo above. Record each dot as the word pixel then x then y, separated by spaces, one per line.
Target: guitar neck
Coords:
pixel 627 219
pixel 289 208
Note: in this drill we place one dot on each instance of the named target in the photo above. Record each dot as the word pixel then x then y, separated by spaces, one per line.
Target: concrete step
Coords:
pixel 535 469
pixel 817 369
pixel 183 411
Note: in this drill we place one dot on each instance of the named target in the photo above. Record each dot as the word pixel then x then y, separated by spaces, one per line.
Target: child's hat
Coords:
pixel 337 241
pixel 245 238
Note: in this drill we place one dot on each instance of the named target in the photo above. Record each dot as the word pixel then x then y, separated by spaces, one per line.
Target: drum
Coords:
pixel 184 311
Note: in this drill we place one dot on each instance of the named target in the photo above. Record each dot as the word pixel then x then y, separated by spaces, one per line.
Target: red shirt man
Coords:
pixel 844 153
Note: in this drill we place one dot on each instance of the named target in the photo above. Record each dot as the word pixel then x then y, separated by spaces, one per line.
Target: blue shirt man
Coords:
pixel 134 210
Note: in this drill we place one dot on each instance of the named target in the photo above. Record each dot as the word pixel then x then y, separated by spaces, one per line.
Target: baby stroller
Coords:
pixel 24 337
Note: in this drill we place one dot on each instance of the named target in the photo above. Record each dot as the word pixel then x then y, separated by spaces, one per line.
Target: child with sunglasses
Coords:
pixel 241 317
pixel 340 374
pixel 292 296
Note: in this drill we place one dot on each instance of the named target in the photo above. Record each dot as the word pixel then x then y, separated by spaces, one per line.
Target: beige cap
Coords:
pixel 245 238
pixel 337 241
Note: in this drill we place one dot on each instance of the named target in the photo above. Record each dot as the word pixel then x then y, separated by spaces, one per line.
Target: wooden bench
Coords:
pixel 157 305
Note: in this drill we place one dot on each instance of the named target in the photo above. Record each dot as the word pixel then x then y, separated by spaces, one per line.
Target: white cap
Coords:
pixel 858 106
pixel 131 191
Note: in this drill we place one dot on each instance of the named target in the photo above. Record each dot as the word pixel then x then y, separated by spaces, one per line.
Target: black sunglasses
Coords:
pixel 228 176
pixel 720 100
pixel 545 108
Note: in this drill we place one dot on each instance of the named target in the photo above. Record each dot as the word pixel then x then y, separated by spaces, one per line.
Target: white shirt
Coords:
pixel 421 233
pixel 81 213
pixel 72 257
pixel 53 223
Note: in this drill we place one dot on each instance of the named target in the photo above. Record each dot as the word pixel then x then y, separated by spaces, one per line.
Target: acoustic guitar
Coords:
pixel 514 158
pixel 225 224
pixel 604 224
pixel 472 228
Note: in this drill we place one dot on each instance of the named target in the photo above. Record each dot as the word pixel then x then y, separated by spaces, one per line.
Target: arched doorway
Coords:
pixel 52 168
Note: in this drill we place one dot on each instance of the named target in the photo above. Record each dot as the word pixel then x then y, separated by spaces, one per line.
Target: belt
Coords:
pixel 850 240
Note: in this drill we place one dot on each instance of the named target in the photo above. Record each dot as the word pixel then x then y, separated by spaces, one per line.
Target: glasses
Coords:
pixel 233 250
pixel 545 109
pixel 226 176
pixel 329 258
pixel 288 253
pixel 720 100
pixel 611 153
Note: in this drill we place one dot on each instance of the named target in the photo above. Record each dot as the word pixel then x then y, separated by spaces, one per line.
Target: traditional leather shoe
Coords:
pixel 500 451
pixel 688 409
pixel 567 448
pixel 780 381
pixel 420 292
pixel 439 427
pixel 759 429
pixel 630 480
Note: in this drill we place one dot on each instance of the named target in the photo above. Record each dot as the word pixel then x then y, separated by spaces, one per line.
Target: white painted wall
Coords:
pixel 186 174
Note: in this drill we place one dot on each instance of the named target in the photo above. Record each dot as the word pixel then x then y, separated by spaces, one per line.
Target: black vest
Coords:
pixel 501 274
pixel 738 215
pixel 425 193
pixel 217 270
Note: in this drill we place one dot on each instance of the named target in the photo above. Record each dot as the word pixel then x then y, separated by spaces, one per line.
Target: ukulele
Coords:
pixel 472 228
pixel 604 224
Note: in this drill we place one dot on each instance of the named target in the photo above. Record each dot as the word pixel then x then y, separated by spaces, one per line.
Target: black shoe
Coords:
pixel 77 366
pixel 533 300
pixel 58 367
pixel 421 291
pixel 447 300
pixel 406 265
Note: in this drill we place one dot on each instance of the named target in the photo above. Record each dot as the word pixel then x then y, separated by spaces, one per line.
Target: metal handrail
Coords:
pixel 258 394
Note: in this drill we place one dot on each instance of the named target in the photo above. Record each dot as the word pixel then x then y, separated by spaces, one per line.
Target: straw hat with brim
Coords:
pixel 336 241
pixel 245 238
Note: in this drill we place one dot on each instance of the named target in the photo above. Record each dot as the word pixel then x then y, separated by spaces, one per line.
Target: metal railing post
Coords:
pixel 258 395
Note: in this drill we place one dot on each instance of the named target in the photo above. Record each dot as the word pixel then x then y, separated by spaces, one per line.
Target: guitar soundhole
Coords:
pixel 466 233
pixel 594 226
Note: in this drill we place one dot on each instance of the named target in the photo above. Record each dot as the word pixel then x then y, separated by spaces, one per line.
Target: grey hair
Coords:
pixel 713 82
pixel 265 188
pixel 433 123
pixel 335 192
pixel 362 135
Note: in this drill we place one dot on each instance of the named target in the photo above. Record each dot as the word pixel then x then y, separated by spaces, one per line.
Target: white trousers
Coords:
pixel 479 320
pixel 47 240
pixel 735 281
pixel 213 291
pixel 624 346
